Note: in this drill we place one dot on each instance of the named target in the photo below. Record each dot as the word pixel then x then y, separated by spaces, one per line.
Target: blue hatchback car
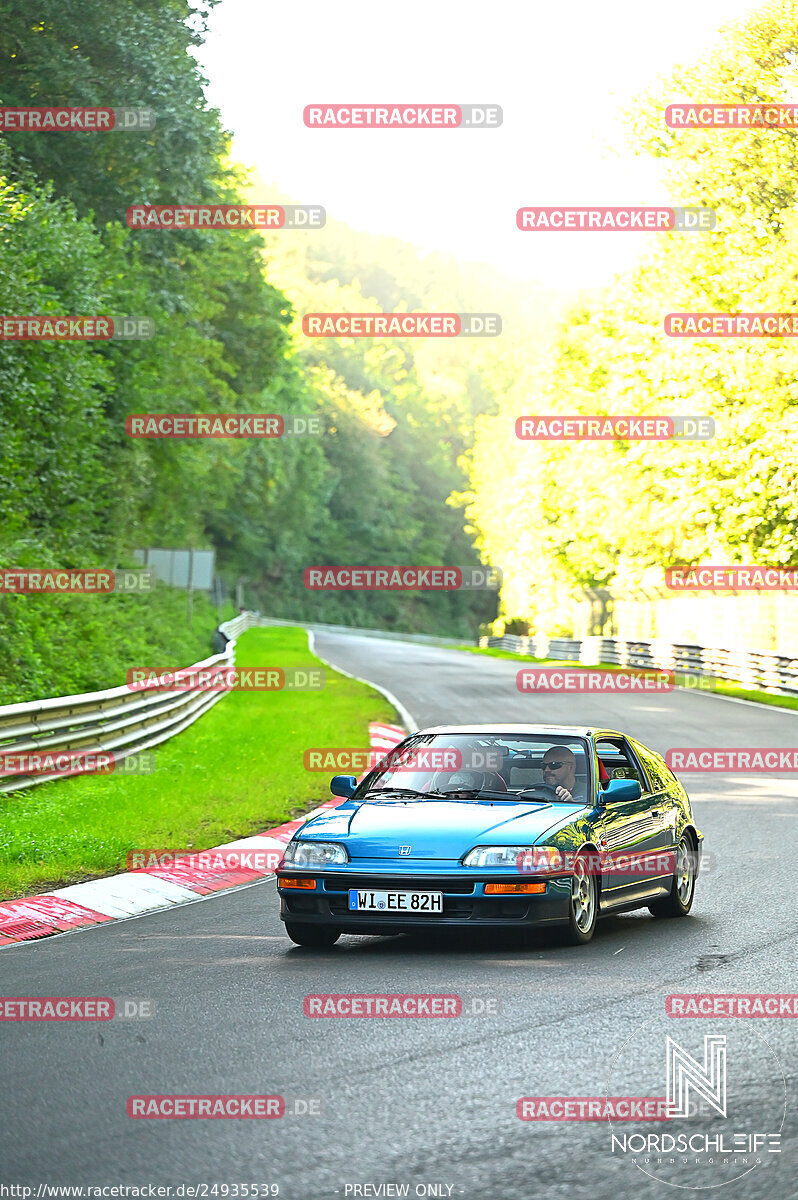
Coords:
pixel 497 826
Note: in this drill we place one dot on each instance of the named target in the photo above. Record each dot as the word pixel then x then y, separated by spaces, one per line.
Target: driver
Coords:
pixel 559 772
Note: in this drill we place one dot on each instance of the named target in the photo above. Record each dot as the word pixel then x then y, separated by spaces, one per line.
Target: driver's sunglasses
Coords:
pixel 553 766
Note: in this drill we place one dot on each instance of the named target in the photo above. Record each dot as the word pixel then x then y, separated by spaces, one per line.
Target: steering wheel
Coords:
pixel 542 787
pixel 455 781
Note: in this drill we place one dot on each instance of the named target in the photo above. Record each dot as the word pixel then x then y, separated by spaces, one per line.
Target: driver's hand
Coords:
pixel 563 793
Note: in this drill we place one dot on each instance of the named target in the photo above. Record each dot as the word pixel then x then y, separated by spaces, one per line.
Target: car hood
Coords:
pixel 443 829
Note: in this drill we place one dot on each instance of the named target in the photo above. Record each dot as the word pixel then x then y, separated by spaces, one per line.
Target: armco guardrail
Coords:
pixel 761 670
pixel 117 720
pixel 427 639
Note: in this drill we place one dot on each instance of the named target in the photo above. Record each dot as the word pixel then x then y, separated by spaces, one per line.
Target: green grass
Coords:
pixel 235 772
pixel 720 687
pixel 725 687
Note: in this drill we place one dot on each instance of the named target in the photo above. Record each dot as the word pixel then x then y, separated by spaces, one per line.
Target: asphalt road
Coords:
pixel 429 1104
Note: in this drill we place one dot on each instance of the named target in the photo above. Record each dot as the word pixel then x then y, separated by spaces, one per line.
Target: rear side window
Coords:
pixel 662 779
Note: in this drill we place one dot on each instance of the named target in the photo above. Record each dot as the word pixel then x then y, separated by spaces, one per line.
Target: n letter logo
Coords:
pixel 707 1081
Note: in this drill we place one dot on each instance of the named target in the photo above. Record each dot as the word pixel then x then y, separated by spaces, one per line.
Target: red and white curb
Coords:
pixel 136 892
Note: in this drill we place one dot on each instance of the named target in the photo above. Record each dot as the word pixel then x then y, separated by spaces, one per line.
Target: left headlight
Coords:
pixel 314 854
pixel 494 856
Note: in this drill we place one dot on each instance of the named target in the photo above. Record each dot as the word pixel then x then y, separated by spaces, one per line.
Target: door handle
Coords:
pixel 656 812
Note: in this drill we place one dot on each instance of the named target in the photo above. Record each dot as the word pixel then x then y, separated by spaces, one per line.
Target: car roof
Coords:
pixel 497 727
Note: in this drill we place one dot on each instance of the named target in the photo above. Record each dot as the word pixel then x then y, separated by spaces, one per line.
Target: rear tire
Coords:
pixel 583 904
pixel 317 936
pixel 679 901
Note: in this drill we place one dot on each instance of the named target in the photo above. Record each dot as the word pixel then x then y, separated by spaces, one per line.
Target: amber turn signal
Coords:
pixel 513 889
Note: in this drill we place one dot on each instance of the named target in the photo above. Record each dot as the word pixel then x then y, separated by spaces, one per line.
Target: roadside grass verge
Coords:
pixel 719 687
pixel 235 772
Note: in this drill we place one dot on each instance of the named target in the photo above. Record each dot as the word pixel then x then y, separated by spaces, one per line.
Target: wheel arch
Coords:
pixel 590 847
pixel 690 829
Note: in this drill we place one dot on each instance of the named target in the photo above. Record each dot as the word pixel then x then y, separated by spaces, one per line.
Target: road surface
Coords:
pixel 427 1105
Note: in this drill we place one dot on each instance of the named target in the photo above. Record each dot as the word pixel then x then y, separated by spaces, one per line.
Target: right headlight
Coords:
pixel 314 854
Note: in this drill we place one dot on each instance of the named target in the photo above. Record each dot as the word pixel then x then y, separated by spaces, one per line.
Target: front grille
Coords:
pixel 402 883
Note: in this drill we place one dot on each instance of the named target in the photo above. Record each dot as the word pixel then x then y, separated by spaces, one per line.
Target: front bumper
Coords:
pixel 465 904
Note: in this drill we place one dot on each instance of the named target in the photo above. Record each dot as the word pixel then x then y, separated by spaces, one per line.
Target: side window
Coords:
pixel 662 780
pixel 619 763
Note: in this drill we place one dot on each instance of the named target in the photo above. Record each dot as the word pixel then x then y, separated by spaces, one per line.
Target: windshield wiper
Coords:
pixel 459 792
pixel 394 792
pixel 454 794
pixel 470 793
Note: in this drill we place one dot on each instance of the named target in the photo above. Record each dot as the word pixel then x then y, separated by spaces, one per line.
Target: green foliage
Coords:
pixel 600 514
pixel 387 480
pixel 128 53
pixel 64 645
pixel 400 414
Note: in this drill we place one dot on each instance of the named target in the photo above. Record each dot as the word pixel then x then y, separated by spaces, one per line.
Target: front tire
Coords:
pixel 317 936
pixel 679 901
pixel 583 903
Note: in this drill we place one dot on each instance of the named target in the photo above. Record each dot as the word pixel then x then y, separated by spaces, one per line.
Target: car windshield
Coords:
pixel 549 768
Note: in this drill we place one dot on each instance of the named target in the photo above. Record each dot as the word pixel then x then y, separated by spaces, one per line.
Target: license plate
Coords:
pixel 389 902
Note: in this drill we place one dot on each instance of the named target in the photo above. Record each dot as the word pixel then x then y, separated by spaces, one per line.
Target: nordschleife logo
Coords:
pixel 725 1102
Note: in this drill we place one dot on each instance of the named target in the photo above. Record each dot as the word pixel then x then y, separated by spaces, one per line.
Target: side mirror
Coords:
pixel 343 785
pixel 622 789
